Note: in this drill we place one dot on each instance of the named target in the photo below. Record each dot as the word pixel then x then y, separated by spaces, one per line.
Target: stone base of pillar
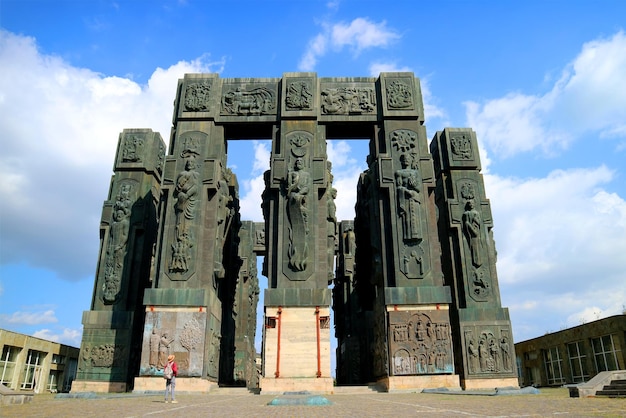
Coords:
pixel 317 385
pixel 417 383
pixel 81 386
pixel 183 384
pixel 471 384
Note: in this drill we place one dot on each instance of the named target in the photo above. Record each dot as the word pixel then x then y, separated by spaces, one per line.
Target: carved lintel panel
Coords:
pixel 420 342
pixel 248 102
pixel 348 100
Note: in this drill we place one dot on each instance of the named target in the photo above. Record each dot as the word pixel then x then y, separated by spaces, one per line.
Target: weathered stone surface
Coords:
pixel 415 284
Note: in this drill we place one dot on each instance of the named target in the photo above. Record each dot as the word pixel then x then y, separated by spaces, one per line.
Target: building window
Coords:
pixel 58 359
pixel 577 362
pixel 554 371
pixel 7 364
pixel 32 370
pixel 53 378
pixel 604 353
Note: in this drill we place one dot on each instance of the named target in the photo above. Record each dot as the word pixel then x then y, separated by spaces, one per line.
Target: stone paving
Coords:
pixel 548 403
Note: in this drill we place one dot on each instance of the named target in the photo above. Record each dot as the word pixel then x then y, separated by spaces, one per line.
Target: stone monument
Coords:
pixel 414 286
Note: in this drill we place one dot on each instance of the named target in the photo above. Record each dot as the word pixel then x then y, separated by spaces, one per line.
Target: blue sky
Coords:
pixel 543 83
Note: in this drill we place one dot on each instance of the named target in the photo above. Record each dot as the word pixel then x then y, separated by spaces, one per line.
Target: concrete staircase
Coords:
pixel 602 382
pixel 616 389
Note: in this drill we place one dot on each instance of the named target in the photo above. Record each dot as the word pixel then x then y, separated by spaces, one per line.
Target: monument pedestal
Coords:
pixel 470 384
pixel 183 384
pixel 411 383
pixel 296 349
pixel 80 386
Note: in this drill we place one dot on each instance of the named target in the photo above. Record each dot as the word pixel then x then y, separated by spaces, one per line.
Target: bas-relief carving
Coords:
pixel 331 222
pixel 225 214
pixel 117 244
pixel 461 147
pixel 474 244
pixel 420 342
pixel 197 96
pixel 348 100
pixel 103 355
pixel 299 185
pixel 489 353
pixel 298 188
pixel 299 96
pixel 399 95
pixel 178 333
pixel 257 101
pixel 185 207
pixel 132 149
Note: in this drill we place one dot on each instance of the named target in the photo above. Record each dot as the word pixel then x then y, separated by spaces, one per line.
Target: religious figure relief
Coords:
pixel 399 95
pixel 197 96
pixel 164 349
pixel 348 100
pixel 490 354
pixel 299 96
pixel 299 185
pixel 116 251
pixel 331 228
pixel 185 202
pixel 461 148
pixel 133 148
pixel 413 262
pixel 225 214
pixel 472 229
pixel 408 189
pixel 155 340
pixel 213 352
pixel 258 101
pixel 421 344
pixel 160 159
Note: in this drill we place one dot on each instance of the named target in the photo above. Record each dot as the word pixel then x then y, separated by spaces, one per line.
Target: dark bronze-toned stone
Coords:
pixel 415 290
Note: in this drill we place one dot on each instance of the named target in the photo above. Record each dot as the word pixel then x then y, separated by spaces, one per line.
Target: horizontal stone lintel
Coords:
pixel 417 295
pixel 297 297
pixel 107 319
pixel 174 297
pixel 487 315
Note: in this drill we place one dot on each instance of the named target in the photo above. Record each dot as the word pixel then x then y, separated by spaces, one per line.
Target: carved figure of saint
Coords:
pixel 483 354
pixel 331 226
pixel 224 215
pixel 472 225
pixel 185 195
pixel 472 351
pixel 506 355
pixel 298 187
pixel 164 349
pixel 408 190
pixel 155 339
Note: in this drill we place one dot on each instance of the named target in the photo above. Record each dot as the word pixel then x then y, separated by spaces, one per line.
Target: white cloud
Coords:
pixel 560 242
pixel 358 35
pixel 587 98
pixel 67 336
pixel 59 127
pixel 29 318
pixel 251 189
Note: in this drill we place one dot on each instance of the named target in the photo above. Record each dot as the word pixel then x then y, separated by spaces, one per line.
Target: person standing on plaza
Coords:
pixel 169 373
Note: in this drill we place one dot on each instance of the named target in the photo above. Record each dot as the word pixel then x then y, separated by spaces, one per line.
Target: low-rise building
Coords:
pixel 573 355
pixel 33 364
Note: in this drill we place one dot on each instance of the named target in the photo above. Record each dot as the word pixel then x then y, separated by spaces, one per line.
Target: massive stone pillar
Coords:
pixel 398 274
pixel 296 341
pixel 128 230
pixel 198 208
pixel 482 328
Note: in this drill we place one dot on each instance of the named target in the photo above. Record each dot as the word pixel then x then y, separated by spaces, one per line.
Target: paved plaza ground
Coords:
pixel 548 403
